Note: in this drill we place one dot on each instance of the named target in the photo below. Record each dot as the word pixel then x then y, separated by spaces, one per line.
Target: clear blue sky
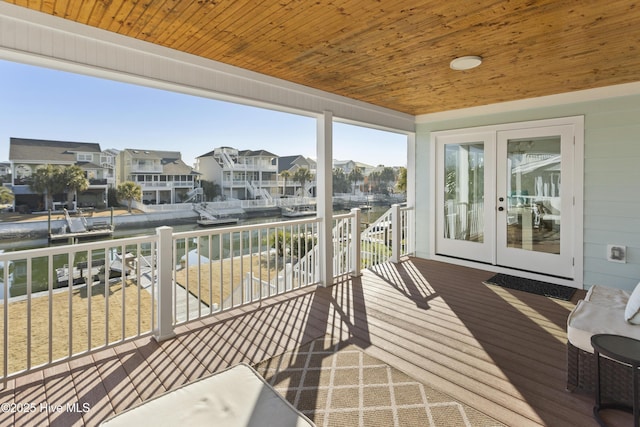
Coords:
pixel 41 103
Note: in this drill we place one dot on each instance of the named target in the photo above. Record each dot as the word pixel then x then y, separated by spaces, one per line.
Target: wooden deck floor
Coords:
pixel 500 351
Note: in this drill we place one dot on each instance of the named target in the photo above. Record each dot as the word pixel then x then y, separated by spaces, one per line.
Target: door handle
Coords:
pixel 500 208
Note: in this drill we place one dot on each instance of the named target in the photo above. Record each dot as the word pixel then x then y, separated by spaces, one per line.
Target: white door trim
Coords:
pixel 577 221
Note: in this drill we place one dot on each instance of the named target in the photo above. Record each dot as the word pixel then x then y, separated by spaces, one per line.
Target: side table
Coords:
pixel 623 350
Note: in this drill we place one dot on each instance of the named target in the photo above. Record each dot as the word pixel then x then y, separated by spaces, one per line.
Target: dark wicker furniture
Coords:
pixel 623 350
pixel 615 379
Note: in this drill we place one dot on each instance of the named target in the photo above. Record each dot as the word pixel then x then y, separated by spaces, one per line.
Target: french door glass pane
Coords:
pixel 533 208
pixel 464 192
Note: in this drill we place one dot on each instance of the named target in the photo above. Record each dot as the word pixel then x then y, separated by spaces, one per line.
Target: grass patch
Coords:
pixel 218 281
pixel 74 309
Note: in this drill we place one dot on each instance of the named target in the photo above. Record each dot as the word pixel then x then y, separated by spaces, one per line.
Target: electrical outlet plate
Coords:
pixel 617 253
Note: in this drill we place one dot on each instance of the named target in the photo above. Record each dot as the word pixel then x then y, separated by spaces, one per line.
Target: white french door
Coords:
pixel 506 198
pixel 465 196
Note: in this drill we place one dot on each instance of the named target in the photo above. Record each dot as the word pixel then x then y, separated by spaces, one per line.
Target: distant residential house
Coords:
pixel 292 164
pixel 108 160
pixel 241 174
pixel 5 172
pixel 348 165
pixel 27 155
pixel 162 175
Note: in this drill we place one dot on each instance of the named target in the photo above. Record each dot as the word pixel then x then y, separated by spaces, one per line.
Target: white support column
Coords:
pixel 355 243
pixel 396 233
pixel 164 284
pixel 411 170
pixel 411 191
pixel 324 200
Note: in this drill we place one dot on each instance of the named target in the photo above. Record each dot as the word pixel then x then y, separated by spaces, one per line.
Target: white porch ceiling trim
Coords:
pixel 533 103
pixel 39 39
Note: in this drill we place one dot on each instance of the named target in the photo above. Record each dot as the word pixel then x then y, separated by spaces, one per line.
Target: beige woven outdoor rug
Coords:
pixel 340 385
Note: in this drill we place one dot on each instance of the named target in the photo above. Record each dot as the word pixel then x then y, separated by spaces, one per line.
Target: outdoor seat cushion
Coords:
pixel 589 318
pixel 238 396
pixel 632 311
pixel 604 295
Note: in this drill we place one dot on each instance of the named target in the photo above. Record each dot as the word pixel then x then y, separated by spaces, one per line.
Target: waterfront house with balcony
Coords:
pixel 162 175
pixel 552 80
pixel 26 155
pixel 241 174
pixel 290 187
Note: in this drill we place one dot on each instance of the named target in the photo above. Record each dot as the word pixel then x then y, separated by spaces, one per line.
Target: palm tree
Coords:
pixel 355 176
pixel 374 181
pixel 6 195
pixel 387 175
pixel 340 181
pixel 209 189
pixel 129 191
pixel 401 184
pixel 48 181
pixel 285 174
pixel 302 175
pixel 75 181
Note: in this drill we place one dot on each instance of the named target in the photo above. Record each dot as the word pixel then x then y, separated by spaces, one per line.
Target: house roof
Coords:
pixel 394 54
pixel 207 154
pixel 89 165
pixel 287 162
pixel 21 149
pixel 177 167
pixel 153 154
pixel 171 161
pixel 244 153
pixel 255 153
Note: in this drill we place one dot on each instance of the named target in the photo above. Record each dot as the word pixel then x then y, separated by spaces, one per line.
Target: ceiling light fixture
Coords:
pixel 465 63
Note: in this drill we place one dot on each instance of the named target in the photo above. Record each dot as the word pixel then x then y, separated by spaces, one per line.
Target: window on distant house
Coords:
pixel 85 157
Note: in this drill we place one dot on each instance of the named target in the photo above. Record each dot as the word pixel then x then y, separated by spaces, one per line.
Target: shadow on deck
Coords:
pixel 500 351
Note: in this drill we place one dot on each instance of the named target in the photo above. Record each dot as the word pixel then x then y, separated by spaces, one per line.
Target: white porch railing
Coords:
pixel 380 242
pixel 57 316
pixel 63 302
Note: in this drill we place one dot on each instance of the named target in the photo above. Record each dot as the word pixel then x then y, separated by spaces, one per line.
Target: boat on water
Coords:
pixel 298 211
pixel 78 228
pixel 207 219
pixel 210 221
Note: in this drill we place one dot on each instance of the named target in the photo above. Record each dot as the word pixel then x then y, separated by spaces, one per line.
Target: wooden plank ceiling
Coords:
pixel 392 53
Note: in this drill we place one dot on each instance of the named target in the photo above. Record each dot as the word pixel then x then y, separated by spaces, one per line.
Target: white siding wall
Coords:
pixel 612 174
pixel 210 169
pixel 612 195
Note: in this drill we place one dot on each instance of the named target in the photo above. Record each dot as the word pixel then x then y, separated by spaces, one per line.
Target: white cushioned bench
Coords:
pixel 235 397
pixel 601 312
pixel 604 310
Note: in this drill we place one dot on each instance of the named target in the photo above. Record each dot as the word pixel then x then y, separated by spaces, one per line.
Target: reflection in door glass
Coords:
pixel 534 189
pixel 464 192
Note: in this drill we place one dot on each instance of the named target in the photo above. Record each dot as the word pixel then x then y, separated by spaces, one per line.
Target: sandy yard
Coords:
pixel 18 217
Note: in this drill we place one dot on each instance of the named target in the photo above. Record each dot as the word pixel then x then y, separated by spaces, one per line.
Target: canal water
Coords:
pixel 41 271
